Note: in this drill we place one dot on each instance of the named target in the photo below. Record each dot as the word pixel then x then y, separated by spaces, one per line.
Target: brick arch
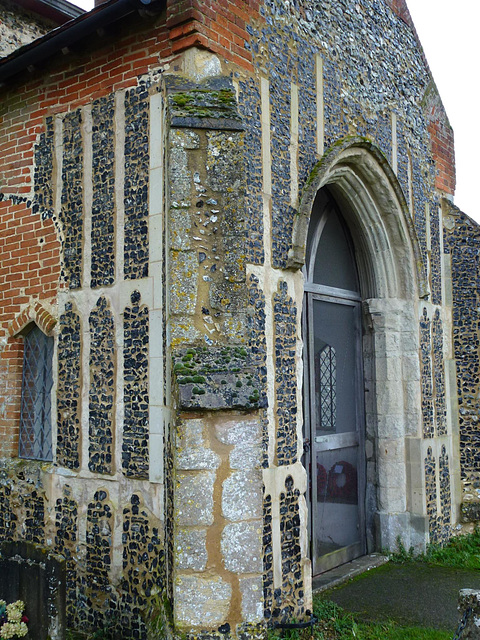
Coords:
pixel 35 312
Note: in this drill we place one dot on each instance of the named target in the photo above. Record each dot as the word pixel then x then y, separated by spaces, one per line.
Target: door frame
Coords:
pixel 318 443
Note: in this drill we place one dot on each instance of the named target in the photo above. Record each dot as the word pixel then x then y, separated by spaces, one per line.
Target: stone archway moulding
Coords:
pixel 363 176
pixel 393 280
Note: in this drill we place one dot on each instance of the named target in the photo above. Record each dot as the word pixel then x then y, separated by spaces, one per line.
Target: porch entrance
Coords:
pixel 334 408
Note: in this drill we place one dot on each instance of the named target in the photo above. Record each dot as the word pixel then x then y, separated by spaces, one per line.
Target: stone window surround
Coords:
pixel 388 258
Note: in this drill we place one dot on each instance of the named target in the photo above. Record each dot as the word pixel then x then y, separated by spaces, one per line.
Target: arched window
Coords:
pixel 36 411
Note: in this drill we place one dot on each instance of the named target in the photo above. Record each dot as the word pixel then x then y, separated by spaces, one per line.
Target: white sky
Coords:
pixel 449 34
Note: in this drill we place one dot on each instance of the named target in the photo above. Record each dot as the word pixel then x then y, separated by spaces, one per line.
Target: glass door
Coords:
pixel 334 412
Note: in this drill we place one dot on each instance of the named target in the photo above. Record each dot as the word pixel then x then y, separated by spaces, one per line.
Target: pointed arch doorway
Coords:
pixel 334 390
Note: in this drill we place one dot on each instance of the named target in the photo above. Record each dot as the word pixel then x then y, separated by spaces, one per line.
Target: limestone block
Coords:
pixel 180 178
pixel 411 367
pixel 252 599
pixel 469 608
pixel 238 432
pixel 191 433
pixel 390 398
pixel 241 546
pixel 191 454
pixel 194 498
pixel 197 459
pixel 180 229
pixel 388 368
pixel 184 267
pixel 392 497
pixel 392 527
pixel 201 601
pixel 200 64
pixel 183 139
pixel 246 457
pixel 191 549
pixel 242 496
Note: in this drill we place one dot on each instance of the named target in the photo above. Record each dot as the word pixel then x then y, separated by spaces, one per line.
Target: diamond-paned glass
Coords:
pixel 326 376
pixel 36 410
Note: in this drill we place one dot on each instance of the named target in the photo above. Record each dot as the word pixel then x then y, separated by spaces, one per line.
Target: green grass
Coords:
pixel 462 552
pixel 335 624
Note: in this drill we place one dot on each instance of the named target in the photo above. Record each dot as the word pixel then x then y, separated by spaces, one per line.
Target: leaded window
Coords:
pixel 36 409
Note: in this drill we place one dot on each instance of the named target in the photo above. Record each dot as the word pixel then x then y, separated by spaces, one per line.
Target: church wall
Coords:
pixel 161 183
pixel 461 254
pixel 82 241
pixel 19 27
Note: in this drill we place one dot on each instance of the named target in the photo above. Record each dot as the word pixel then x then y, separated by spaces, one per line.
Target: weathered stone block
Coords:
pixel 239 431
pixel 201 602
pixel 469 608
pixel 241 546
pixel 470 511
pixel 252 598
pixel 184 139
pixel 216 378
pixel 180 229
pixel 194 498
pixel 191 450
pixel 200 458
pixel 191 549
pixel 246 437
pixel 242 496
pixel 183 291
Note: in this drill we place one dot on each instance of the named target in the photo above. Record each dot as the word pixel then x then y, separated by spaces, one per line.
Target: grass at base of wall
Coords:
pixel 335 624
pixel 460 551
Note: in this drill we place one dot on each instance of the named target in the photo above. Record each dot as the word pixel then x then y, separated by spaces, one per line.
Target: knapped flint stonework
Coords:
pixel 66 537
pixel 445 496
pixel 71 213
pixel 102 388
pixel 426 368
pixel 135 453
pixel 431 495
pixel 439 375
pixel 267 558
pixel 249 108
pixel 143 557
pixel 95 583
pixel 34 521
pixel 136 183
pixel 43 177
pixel 258 350
pixel 289 600
pixel 103 188
pixel 19 27
pixel 8 519
pixel 68 389
pixel 285 318
pixel 462 246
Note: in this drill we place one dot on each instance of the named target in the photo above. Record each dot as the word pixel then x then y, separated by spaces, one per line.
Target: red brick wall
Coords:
pixel 29 270
pixel 11 359
pixel 401 9
pixel 442 143
pixel 441 133
pixel 217 25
